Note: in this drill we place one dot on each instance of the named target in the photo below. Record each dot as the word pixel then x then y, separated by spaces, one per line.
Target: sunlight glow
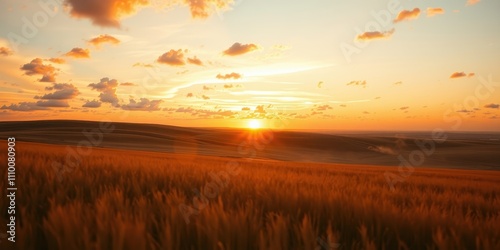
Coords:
pixel 254 124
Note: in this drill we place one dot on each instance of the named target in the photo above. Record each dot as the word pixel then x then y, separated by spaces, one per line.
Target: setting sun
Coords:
pixel 254 124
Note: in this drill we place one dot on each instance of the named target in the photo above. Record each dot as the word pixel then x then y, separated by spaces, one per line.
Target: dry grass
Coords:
pixel 130 200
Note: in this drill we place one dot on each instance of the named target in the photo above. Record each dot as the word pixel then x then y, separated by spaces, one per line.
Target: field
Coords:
pixel 126 199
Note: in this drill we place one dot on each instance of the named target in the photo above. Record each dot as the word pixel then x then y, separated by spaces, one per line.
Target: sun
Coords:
pixel 254 124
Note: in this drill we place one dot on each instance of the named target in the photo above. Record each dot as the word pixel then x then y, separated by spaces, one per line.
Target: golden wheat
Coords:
pixel 117 199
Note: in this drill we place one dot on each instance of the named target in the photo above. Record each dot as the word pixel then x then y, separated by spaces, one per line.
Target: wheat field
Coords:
pixel 118 199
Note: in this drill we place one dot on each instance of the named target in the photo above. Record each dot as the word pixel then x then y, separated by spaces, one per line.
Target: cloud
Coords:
pixel 407 15
pixel 184 110
pixel 24 106
pixel 404 108
pixel 143 105
pixel 398 83
pixel 92 104
pixel 492 106
pixel 63 91
pixel 322 107
pixel 461 74
pixel 4 51
pixel 203 113
pixel 357 83
pixel 458 75
pixel 36 67
pixel 228 86
pixel 239 49
pixel 434 11
pixel 145 65
pixel 372 35
pixel 189 95
pixel 57 60
pixel 320 84
pixel 172 58
pixel 108 90
pixel 260 109
pixel 78 53
pixel 207 88
pixel 195 60
pixel 472 2
pixel 245 109
pixel 204 8
pixel 40 105
pixel 128 84
pixel 232 75
pixel 205 97
pixel 109 13
pixel 53 103
pixel 97 41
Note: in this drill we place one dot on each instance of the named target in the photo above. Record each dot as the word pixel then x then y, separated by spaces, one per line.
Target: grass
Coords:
pixel 117 199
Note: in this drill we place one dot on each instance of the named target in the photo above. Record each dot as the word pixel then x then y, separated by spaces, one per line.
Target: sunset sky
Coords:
pixel 322 64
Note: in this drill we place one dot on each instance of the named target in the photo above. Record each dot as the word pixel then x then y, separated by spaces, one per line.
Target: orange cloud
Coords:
pixel 203 8
pixel 434 11
pixel 472 2
pixel 57 60
pixel 96 41
pixel 458 75
pixel 374 35
pixel 78 53
pixel 407 15
pixel 104 12
pixel 109 13
pixel 233 75
pixel 461 74
pixel 195 61
pixel 143 104
pixel 4 51
pixel 128 84
pixel 358 83
pixel 36 67
pixel 239 49
pixel 172 58
pixel 145 65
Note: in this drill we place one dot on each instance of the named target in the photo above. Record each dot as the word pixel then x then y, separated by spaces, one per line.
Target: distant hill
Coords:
pixel 460 150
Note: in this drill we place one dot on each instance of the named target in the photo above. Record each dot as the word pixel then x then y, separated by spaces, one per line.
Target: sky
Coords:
pixel 320 64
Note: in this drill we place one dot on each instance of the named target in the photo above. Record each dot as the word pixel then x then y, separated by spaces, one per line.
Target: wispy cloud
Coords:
pixel 461 74
pixel 472 2
pixel 232 75
pixel 434 11
pixel 97 41
pixel 407 15
pixel 372 35
pixel 78 53
pixel 240 49
pixel 172 58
